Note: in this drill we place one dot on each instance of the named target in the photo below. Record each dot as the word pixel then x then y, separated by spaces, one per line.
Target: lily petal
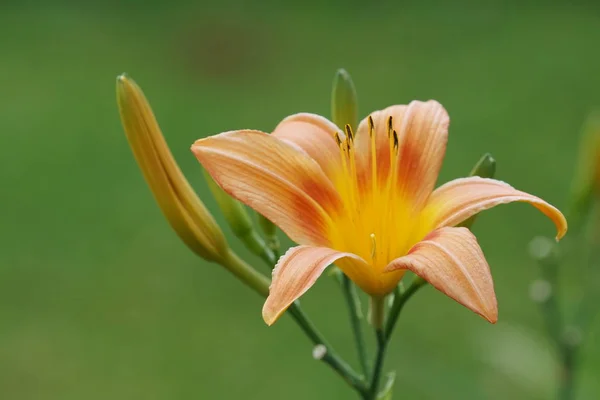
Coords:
pixel 423 136
pixel 452 261
pixel 457 200
pixel 296 271
pixel 276 179
pixel 315 135
pixel 382 142
pixel 422 129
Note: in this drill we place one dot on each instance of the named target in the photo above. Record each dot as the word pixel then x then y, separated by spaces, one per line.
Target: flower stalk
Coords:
pixel 356 317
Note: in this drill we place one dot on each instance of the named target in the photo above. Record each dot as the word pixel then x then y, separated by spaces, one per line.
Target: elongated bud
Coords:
pixel 268 228
pixel 485 168
pixel 344 103
pixel 183 209
pixel 239 221
pixel 586 183
pixel 234 212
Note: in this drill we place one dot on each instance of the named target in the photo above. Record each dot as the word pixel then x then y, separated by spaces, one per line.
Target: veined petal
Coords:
pixel 457 200
pixel 279 181
pixel 315 135
pixel 452 261
pixel 381 140
pixel 296 271
pixel 423 135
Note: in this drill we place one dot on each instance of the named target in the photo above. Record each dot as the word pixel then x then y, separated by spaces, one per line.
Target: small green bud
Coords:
pixel 239 221
pixel 344 103
pixel 268 228
pixel 234 212
pixel 485 168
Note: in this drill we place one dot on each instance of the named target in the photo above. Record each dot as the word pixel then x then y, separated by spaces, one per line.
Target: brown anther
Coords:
pixel 337 139
pixel 395 134
pixel 390 126
pixel 371 126
pixel 349 132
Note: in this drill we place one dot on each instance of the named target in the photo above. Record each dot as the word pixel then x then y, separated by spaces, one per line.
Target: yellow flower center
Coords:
pixel 378 223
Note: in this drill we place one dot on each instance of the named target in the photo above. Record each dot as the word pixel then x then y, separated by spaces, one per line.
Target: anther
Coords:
pixel 349 132
pixel 390 126
pixel 395 134
pixel 371 126
pixel 337 139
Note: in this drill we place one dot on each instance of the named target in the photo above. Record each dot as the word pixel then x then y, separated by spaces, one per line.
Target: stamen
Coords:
pixel 373 155
pixel 337 139
pixel 373 246
pixel 393 182
pixel 390 126
pixel 371 126
pixel 349 132
pixel 353 175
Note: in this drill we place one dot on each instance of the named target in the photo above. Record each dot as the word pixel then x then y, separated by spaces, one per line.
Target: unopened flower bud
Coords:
pixel 234 212
pixel 268 228
pixel 179 203
pixel 344 103
pixel 485 168
pixel 239 221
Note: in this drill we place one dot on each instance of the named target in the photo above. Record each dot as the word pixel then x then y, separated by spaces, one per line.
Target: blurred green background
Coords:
pixel 100 300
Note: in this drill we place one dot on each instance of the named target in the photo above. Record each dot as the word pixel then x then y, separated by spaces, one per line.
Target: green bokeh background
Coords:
pixel 100 300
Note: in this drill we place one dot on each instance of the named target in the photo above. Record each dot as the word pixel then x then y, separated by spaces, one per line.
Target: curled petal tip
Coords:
pixel 451 260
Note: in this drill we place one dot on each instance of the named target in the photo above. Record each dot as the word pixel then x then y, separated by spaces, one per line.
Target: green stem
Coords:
pixel 257 245
pixel 329 356
pixel 567 374
pixel 377 320
pixel 353 303
pixel 246 273
pixel 566 347
pixel 399 301
pixel 378 364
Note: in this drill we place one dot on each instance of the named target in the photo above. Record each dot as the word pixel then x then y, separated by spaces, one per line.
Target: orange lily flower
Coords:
pixel 365 202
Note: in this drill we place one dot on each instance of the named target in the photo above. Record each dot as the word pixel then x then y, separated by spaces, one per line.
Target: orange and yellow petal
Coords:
pixel 423 136
pixel 315 135
pixel 380 140
pixel 276 179
pixel 457 200
pixel 451 260
pixel 409 148
pixel 295 273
